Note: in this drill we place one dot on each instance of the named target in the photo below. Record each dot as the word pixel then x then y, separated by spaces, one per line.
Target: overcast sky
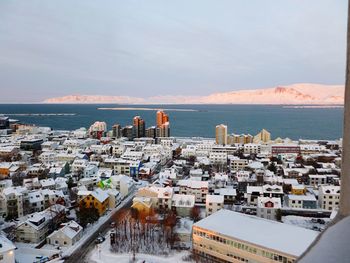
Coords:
pixel 183 47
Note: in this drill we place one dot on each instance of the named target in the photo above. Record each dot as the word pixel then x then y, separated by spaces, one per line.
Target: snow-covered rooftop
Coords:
pixel 265 233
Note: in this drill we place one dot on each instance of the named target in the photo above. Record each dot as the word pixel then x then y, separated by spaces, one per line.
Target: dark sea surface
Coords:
pixel 295 123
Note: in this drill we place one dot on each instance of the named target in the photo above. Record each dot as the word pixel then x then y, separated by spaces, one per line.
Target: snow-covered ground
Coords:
pixel 102 254
pixel 108 257
pixel 307 222
pixel 24 254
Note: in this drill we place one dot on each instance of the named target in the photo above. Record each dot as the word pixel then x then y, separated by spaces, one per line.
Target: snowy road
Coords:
pixel 88 244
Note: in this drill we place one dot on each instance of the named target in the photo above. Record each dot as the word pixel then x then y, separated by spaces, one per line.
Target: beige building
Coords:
pixel 161 197
pixel 66 236
pixel 221 134
pixel 239 138
pixel 183 204
pixel 328 197
pixel 192 187
pixel 213 204
pixel 36 227
pixel 252 148
pixel 238 164
pixel 263 136
pixel 228 236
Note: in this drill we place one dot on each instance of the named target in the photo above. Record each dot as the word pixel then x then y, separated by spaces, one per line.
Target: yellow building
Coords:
pixel 98 199
pixel 221 134
pixel 298 189
pixel 263 136
pixel 143 205
pixel 5 169
pixel 228 236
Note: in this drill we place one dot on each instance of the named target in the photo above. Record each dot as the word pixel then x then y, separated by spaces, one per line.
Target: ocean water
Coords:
pixel 295 123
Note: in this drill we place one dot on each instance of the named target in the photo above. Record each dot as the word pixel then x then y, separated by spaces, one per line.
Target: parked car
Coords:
pixel 41 259
pixel 100 240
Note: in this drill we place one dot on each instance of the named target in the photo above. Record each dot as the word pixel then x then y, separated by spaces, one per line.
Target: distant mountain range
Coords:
pixel 303 93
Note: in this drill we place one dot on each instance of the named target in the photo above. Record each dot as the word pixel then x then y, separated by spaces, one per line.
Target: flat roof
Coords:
pixel 270 234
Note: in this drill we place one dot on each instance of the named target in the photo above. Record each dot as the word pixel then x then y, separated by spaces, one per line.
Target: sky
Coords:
pixel 162 47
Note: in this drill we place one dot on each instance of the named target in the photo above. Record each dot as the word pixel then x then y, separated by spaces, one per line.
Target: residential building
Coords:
pixel 37 226
pixel 67 235
pixel 183 204
pixel 139 127
pixel 238 164
pixel 317 179
pixel 192 187
pixel 213 204
pixel 252 148
pixel 301 201
pixel 328 197
pixel 221 134
pixel 98 199
pixel 116 131
pixel 267 207
pixel 263 136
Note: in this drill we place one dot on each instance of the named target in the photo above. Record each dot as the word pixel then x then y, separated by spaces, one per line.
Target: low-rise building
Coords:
pixel 238 164
pixel 317 179
pixel 36 228
pixel 192 187
pixel 299 189
pixel 301 201
pixel 67 235
pixel 252 148
pixel 124 184
pixel 328 196
pixel 183 204
pixel 227 236
pixel 99 199
pixel 267 207
pixel 213 204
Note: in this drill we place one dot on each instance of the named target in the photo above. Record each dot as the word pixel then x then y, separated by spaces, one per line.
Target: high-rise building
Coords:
pixel 98 129
pixel 127 132
pixel 116 131
pixel 163 124
pixel 263 136
pixel 239 138
pixel 139 127
pixel 151 132
pixel 159 116
pixel 4 122
pixel 221 134
pixel 166 129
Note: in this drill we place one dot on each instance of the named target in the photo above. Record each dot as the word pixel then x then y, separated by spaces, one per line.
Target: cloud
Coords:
pixel 145 49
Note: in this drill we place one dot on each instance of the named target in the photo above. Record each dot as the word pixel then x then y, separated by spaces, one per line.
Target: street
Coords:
pixel 80 254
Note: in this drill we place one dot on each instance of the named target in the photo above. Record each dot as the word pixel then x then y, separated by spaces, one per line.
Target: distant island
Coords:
pixel 296 94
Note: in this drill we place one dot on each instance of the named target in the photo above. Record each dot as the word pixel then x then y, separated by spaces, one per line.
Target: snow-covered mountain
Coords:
pixel 291 94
